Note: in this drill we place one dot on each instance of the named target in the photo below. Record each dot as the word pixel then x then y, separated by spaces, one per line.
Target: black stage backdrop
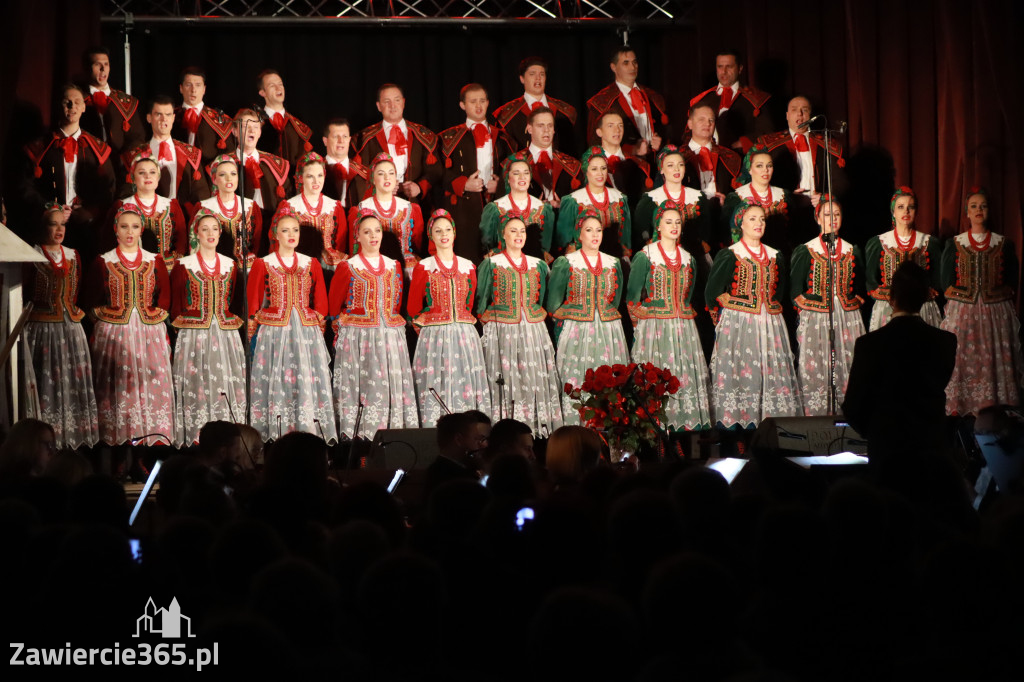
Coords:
pixel 932 91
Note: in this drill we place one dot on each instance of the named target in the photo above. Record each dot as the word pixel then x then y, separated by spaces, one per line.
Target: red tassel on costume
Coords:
pixel 128 177
pixel 126 126
pixel 448 162
pixel 648 183
pixel 221 144
pixel 757 112
pixel 455 200
pixel 196 176
pixel 280 191
pixel 841 162
pixel 664 120
pixel 575 183
pixel 308 147
pixel 431 158
pixel 38 172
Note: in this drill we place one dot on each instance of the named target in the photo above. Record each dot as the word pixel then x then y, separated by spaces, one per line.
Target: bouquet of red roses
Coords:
pixel 623 400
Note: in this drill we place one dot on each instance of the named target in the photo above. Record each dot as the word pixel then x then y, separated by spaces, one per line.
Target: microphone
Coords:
pixel 809 121
pixel 439 401
pixel 228 402
pixel 278 426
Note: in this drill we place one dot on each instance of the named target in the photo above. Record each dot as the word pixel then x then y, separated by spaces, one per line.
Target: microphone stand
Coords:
pixel 243 237
pixel 830 273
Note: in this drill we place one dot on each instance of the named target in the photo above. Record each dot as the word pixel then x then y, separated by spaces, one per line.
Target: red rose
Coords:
pixel 589 375
pixel 673 385
pixel 568 388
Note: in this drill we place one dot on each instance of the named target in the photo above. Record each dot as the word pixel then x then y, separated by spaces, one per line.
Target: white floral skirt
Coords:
pixel 881 313
pixel 812 337
pixel 450 359
pixel 64 382
pixel 583 346
pixel 675 345
pixel 209 380
pixel 988 356
pixel 523 356
pixel 371 365
pixel 291 382
pixel 752 376
pixel 134 389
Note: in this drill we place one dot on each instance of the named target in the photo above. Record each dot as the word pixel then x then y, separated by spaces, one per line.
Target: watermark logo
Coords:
pixel 168 623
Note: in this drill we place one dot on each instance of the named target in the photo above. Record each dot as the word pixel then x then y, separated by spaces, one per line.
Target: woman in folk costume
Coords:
pixel 607 203
pixel 291 377
pixel 538 216
pixel 659 295
pixel 163 223
pixel 371 356
pixel 324 226
pixel 401 220
pixel 583 297
pixel 672 167
pixel 56 341
pixel 131 356
pixel 449 356
pixel 979 271
pixel 757 189
pixel 884 253
pixel 810 284
pixel 209 365
pixel 752 375
pixel 226 205
pixel 517 348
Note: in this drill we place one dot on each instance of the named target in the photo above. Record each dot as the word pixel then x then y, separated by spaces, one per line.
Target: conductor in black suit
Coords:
pixel 896 395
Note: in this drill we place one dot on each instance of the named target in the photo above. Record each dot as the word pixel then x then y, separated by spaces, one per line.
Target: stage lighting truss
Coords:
pixel 454 10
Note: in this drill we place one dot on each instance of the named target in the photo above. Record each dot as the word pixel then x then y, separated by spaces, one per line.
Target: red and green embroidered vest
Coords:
pixel 814 297
pixel 515 296
pixel 589 294
pixel 130 290
pixel 373 300
pixel 754 284
pixel 206 298
pixel 447 300
pixel 979 273
pixel 55 290
pixel 287 291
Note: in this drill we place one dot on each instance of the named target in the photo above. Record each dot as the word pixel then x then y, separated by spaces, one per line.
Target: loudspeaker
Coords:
pixel 808 436
pixel 406 449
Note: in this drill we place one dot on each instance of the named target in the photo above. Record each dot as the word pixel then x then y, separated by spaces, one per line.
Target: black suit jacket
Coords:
pixel 896 395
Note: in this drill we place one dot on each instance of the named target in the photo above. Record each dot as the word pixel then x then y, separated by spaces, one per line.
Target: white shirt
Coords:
pixel 643 124
pixel 707 178
pixel 530 99
pixel 170 166
pixel 806 163
pixel 547 192
pixel 257 197
pixel 199 112
pixel 485 154
pixel 69 172
pixel 331 161
pixel 735 87
pixel 401 161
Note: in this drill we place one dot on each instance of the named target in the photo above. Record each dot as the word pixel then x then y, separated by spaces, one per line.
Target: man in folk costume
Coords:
pixel 800 159
pixel 412 146
pixel 198 124
pixel 181 164
pixel 71 168
pixel 284 134
pixel 742 116
pixel 630 175
pixel 711 169
pixel 514 116
pixel 472 156
pixel 554 174
pixel 111 115
pixel 643 110
pixel 266 175
pixel 342 171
